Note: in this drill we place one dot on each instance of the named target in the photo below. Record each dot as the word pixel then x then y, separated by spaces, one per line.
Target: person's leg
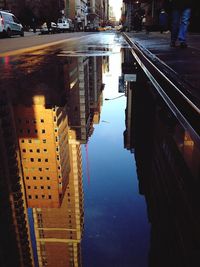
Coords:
pixel 175 26
pixel 185 17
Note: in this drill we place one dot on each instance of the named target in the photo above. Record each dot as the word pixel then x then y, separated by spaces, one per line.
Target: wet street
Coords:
pixel 96 171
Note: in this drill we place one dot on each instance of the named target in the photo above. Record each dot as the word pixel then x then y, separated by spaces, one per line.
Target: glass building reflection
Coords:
pixel 47 114
pixel 168 170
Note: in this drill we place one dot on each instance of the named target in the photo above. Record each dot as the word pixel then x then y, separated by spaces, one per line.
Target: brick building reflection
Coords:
pixel 52 113
pixel 58 231
pixel 168 171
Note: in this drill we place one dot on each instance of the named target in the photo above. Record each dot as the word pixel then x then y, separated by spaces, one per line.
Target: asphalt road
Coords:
pixel 17 44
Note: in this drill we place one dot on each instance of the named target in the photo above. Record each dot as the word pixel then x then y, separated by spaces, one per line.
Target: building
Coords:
pixel 77 11
pixel 94 13
pixel 43 143
pixel 78 97
pixel 41 126
pixel 96 87
pixel 58 231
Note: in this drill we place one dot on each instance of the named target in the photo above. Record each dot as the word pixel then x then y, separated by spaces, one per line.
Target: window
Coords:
pixel 42 120
pixel 40 169
pixel 41 177
pixel 49 187
pixel 48 178
pixel 49 196
pixel 30 141
pixel 46 160
pixel 43 196
pixel 32 159
pixel 47 169
pixel 36 130
pixel 34 121
pixel 36 196
pixel 44 141
pixel 43 130
pixel 24 150
pixel 29 187
pixel 22 140
pixel 31 150
pixel 29 196
pixel 28 130
pixel 42 187
pixel 39 160
pixel 38 150
pixel 35 187
pixel 27 178
pixel 21 131
pixel 34 177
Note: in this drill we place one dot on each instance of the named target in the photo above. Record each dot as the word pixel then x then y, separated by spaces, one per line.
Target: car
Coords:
pixel 65 24
pixel 9 24
pixel 101 29
pixel 52 29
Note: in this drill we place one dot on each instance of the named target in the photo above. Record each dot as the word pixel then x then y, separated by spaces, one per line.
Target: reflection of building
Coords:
pixel 83 94
pixel 15 245
pixel 167 181
pixel 96 87
pixel 105 64
pixel 41 125
pixel 52 116
pixel 59 231
pixel 43 145
pixel 78 98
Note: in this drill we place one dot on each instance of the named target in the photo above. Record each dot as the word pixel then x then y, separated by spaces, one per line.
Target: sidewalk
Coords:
pixel 186 62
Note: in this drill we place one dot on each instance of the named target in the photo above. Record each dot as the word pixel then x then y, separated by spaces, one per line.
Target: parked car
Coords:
pixel 52 29
pixel 10 25
pixel 65 24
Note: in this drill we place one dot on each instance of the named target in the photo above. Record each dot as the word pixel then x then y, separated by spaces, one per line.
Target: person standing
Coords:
pixel 180 16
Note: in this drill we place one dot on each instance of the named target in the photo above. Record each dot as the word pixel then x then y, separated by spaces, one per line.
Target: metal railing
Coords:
pixel 176 93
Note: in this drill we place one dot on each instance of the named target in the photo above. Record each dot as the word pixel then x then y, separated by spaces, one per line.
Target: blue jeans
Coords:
pixel 180 22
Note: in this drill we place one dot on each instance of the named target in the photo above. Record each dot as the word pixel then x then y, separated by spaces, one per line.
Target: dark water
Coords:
pixel 90 176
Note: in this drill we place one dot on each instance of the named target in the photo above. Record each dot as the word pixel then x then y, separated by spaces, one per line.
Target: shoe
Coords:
pixel 183 45
pixel 173 44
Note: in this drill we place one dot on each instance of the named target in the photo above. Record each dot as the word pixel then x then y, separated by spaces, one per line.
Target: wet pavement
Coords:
pixel 95 171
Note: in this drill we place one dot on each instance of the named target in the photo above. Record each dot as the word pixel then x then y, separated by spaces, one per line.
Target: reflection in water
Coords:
pixel 45 116
pixel 168 170
pixel 47 112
